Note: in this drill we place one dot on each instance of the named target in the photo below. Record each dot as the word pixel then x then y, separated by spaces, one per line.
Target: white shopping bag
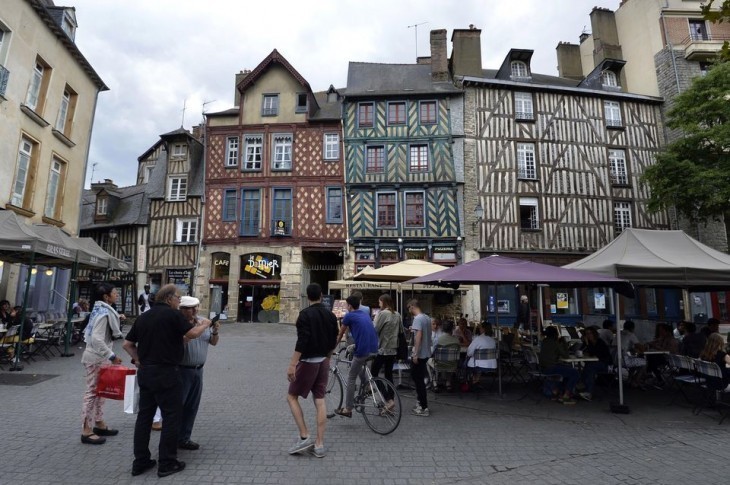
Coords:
pixel 131 395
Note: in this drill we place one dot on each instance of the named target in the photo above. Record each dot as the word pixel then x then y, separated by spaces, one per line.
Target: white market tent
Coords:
pixel 660 259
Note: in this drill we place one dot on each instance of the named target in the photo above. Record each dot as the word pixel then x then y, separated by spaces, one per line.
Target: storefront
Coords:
pixel 259 287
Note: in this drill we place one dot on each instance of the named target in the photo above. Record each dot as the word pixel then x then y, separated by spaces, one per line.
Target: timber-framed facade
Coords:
pixel 274 218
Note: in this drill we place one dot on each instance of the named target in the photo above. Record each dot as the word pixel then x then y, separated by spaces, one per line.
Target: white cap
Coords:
pixel 189 302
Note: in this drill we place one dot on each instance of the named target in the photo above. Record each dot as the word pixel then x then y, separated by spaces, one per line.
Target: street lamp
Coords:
pixel 479 214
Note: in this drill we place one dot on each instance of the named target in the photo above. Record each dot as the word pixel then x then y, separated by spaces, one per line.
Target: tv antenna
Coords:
pixel 415 28
pixel 93 169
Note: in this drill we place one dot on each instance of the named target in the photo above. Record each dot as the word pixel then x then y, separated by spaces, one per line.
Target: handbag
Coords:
pixel 131 394
pixel 111 381
pixel 402 353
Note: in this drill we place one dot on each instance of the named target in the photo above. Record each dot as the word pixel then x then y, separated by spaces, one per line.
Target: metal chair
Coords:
pixel 713 387
pixel 536 374
pixel 484 354
pixel 683 374
pixel 446 362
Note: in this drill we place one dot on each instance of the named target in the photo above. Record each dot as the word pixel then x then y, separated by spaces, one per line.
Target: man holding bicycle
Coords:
pixel 366 345
pixel 309 368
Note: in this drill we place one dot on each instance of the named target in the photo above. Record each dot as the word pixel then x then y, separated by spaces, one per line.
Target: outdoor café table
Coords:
pixel 579 361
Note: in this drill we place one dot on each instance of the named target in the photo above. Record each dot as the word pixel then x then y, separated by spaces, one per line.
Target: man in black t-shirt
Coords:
pixel 155 344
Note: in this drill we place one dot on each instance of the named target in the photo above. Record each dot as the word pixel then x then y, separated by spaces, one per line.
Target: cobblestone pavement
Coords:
pixel 244 428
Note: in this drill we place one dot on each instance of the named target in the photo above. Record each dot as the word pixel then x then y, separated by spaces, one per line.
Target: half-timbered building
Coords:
pixel 274 215
pixel 404 165
pixel 556 163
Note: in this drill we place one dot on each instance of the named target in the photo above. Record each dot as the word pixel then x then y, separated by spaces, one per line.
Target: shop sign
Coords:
pixel 262 265
pixel 280 228
pixel 178 276
pixel 221 265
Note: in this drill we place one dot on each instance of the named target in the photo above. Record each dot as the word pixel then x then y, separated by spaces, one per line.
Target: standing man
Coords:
pixel 366 345
pixel 144 299
pixel 191 369
pixel 155 344
pixel 421 329
pixel 523 315
pixel 362 308
pixel 309 368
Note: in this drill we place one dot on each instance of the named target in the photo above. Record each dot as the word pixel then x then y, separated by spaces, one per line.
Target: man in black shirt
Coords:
pixel 155 344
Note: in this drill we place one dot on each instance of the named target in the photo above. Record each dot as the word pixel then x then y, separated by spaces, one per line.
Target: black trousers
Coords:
pixel 159 386
pixel 386 363
pixel 419 372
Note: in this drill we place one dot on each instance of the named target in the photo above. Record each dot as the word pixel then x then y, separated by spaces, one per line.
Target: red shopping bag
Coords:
pixel 110 383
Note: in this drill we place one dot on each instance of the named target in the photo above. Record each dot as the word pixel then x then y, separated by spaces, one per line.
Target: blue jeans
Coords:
pixel 590 371
pixel 192 390
pixel 357 368
pixel 568 373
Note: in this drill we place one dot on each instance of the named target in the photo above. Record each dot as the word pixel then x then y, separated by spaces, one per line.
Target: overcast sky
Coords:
pixel 157 55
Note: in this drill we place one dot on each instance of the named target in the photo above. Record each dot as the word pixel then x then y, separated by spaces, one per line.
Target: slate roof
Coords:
pixel 133 208
pixel 370 79
pixel 157 184
pixel 328 110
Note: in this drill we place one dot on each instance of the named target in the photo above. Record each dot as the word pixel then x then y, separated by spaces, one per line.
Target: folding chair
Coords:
pixel 713 388
pixel 445 362
pixel 683 374
pixel 536 374
pixel 484 354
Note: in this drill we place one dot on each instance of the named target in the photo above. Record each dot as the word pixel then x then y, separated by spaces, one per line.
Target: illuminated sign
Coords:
pixel 261 265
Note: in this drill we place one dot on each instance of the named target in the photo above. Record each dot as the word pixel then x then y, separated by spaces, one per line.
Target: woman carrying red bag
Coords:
pixel 102 329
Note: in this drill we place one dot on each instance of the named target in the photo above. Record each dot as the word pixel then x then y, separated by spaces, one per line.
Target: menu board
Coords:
pixel 339 308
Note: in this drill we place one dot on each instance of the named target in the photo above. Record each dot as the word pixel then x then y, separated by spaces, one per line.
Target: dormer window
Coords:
pixel 179 150
pixel 68 25
pixel 519 69
pixel 102 206
pixel 608 79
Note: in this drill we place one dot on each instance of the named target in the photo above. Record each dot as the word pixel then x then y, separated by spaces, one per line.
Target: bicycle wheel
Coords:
pixel 333 395
pixel 379 416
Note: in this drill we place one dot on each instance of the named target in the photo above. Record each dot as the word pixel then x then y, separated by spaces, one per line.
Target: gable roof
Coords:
pixel 371 79
pixel 272 59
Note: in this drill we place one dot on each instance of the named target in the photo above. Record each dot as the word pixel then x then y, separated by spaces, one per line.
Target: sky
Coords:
pixel 162 55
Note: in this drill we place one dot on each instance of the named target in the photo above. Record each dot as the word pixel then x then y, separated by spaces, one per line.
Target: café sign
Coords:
pixel 261 265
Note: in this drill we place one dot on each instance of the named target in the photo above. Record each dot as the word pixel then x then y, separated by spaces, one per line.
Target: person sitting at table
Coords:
pixel 81 306
pixel 449 341
pixel 606 333
pixel 712 326
pixel 693 341
pixel 632 349
pixel 595 347
pixel 664 341
pixel 436 332
pixel 714 351
pixel 6 314
pixel 463 333
pixel 552 350
pixel 483 340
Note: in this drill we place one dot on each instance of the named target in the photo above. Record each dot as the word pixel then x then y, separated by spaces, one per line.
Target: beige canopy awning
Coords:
pixel 403 271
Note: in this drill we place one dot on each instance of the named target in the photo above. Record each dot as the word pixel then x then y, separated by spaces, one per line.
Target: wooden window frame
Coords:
pixel 250 226
pixel 522 155
pixel 232 152
pixel 55 198
pixel 331 195
pixel 614 168
pixel 612 107
pixel 282 140
pixel 626 208
pixel 228 204
pixel 409 224
pixel 270 104
pixel 24 199
pixel 331 148
pixel 251 143
pixel 534 219
pixel 378 165
pixel 186 237
pixel 182 188
pixel 394 210
pixel 522 97
pixel 396 119
pixel 367 111
pixel 419 166
pixel 431 118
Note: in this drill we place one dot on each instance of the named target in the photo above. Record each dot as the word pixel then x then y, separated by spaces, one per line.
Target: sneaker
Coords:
pixel 586 395
pixel 301 445
pixel 177 466
pixel 419 411
pixel 319 451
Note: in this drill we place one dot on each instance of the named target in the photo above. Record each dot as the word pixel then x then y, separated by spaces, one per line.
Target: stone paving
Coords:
pixel 244 428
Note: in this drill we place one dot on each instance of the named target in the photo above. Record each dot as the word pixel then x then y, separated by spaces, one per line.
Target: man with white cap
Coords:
pixel 191 369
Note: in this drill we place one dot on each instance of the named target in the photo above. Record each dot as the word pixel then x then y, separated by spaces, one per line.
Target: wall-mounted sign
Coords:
pixel 261 265
pixel 280 228
pixel 562 300
pixel 179 276
pixel 220 267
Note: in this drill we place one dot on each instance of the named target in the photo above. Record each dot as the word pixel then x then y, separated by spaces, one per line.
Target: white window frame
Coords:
pixel 618 167
pixel 23 166
pixel 519 69
pixel 331 146
pixel 147 173
pixel 523 106
pixel 54 188
pixel 254 152
pixel 282 151
pixel 270 105
pixel 179 150
pixel 34 88
pixel 63 111
pixel 612 111
pixel 329 217
pixel 232 145
pixel 526 161
pixel 186 230
pixel 177 188
pixel 622 218
pixel 102 206
pixel 534 206
pixel 415 154
pixel 609 79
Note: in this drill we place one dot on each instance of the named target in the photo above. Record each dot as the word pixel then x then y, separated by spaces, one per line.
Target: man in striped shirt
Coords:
pixel 191 370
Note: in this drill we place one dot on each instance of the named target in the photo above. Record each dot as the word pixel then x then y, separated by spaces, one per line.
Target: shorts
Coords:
pixel 310 377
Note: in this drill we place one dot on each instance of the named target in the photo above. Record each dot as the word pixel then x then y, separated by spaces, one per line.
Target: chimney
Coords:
pixel 439 61
pixel 569 62
pixel 605 35
pixel 239 77
pixel 466 54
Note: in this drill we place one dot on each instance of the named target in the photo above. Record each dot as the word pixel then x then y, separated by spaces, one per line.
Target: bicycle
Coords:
pixel 370 399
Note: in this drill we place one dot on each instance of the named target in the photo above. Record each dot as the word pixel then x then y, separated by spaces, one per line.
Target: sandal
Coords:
pixel 87 439
pixel 343 412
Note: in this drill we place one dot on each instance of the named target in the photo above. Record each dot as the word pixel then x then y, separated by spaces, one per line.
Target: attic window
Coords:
pixel 608 79
pixel 519 69
pixel 102 205
pixel 179 150
pixel 301 103
pixel 69 26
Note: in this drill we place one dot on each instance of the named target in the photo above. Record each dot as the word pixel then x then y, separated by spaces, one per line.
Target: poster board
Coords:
pixel 339 308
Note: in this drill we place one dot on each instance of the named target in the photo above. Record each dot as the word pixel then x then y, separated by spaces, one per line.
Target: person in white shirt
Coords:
pixel 482 341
